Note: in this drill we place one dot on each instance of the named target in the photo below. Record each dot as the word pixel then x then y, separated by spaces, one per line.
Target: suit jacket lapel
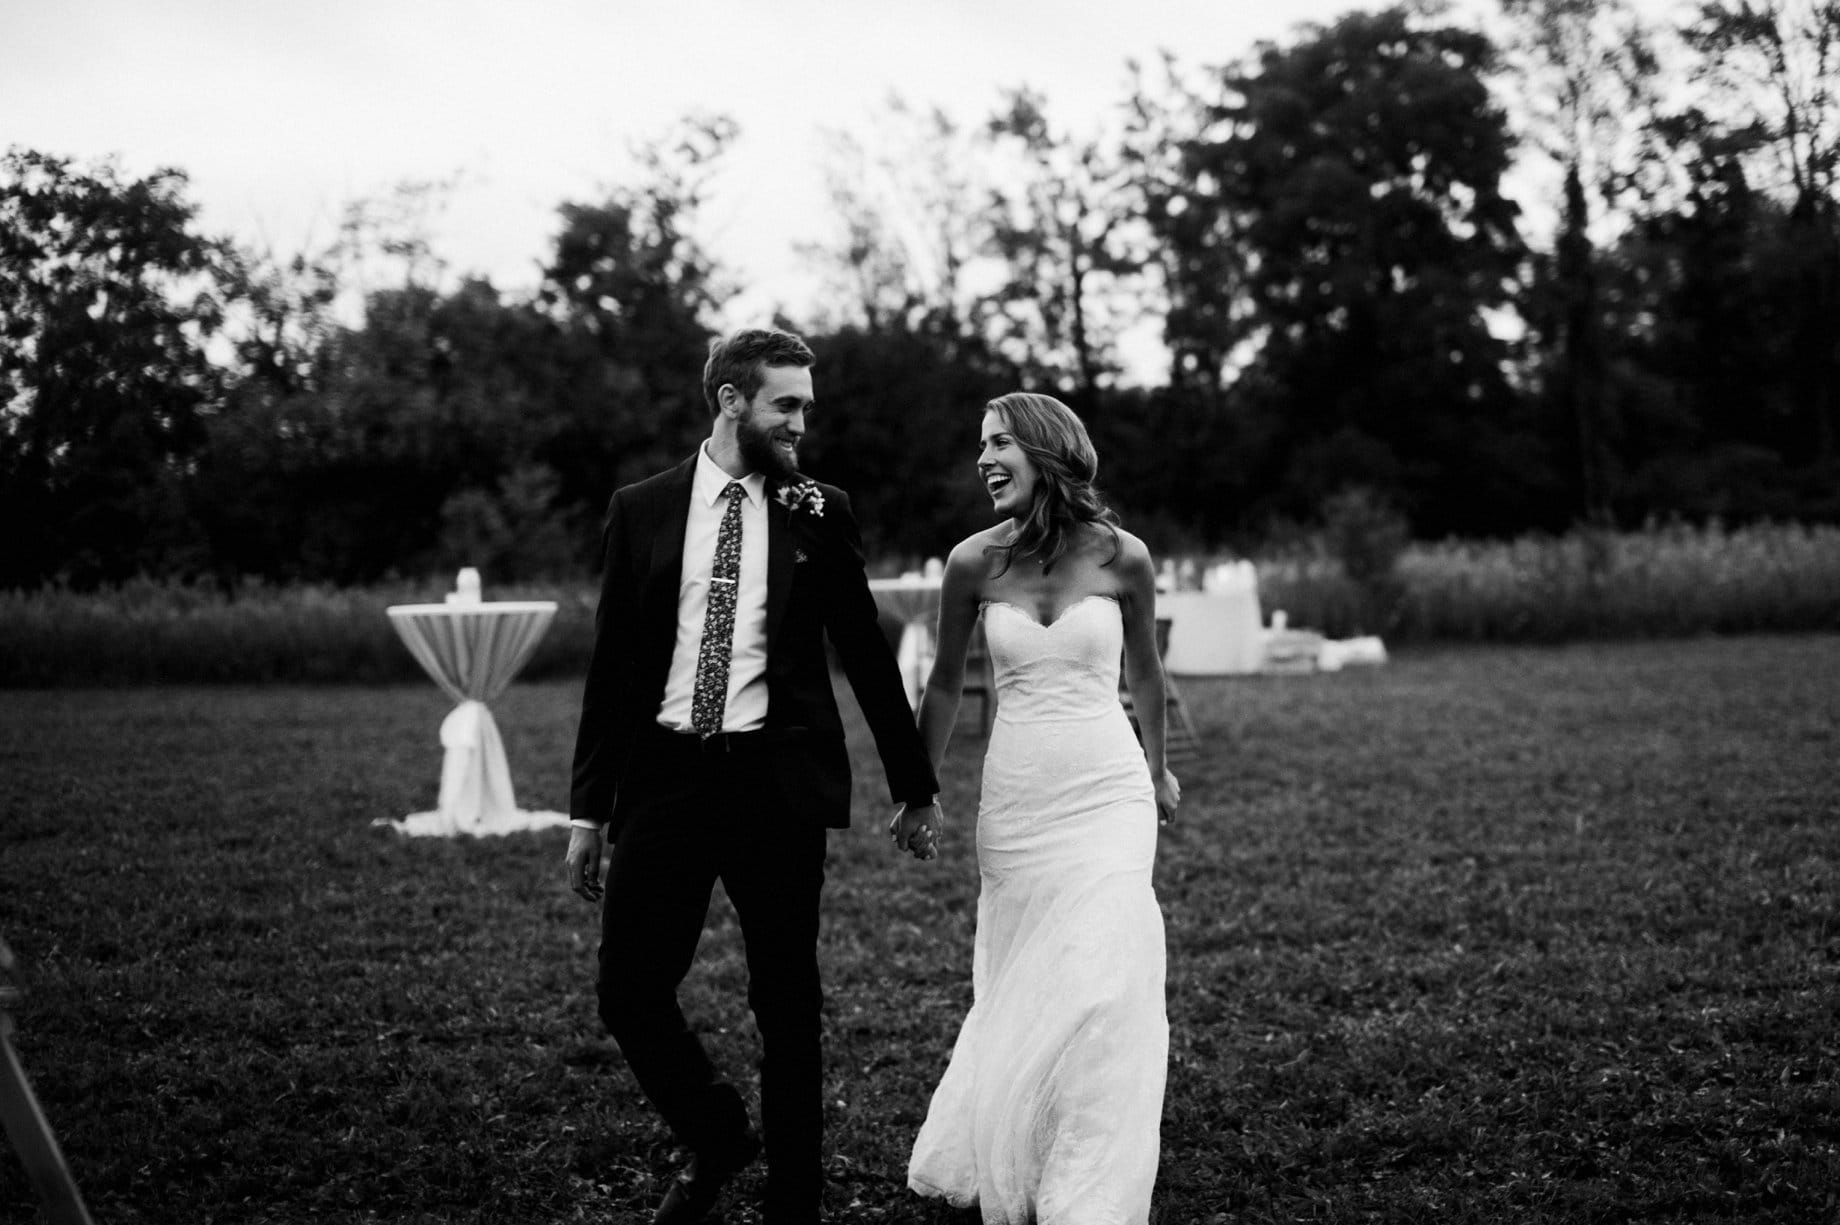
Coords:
pixel 673 509
pixel 780 550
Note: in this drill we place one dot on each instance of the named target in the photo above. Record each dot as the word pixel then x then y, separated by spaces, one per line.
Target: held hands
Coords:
pixel 584 862
pixel 1168 796
pixel 917 830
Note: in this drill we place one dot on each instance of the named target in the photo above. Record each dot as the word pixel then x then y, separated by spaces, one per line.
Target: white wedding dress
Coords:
pixel 1049 1111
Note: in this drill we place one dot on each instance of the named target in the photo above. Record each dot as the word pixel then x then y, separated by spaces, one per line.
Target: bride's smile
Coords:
pixel 1009 475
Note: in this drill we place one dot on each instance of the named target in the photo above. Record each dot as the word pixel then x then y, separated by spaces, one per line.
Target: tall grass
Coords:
pixel 152 632
pixel 1666 581
pixel 1663 582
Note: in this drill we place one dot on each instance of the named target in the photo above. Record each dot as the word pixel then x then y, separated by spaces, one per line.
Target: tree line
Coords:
pixel 1319 238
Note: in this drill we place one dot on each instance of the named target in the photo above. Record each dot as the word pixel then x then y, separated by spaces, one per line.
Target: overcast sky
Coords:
pixel 282 111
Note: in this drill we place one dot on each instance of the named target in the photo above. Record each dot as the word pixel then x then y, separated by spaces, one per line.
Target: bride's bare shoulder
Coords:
pixel 1132 558
pixel 1132 549
pixel 972 548
pixel 1106 543
pixel 968 564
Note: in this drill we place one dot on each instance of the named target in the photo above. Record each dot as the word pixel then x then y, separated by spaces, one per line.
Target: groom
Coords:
pixel 710 748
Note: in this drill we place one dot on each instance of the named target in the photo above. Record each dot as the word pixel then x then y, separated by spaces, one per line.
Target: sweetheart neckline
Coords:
pixel 1028 616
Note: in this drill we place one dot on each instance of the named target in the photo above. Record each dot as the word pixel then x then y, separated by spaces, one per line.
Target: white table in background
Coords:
pixel 914 599
pixel 1218 631
pixel 472 650
pixel 1211 633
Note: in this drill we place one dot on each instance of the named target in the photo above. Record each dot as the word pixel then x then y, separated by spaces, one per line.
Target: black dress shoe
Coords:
pixel 694 1192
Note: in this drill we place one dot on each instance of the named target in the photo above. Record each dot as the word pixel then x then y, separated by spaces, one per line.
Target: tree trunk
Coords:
pixel 1581 356
pixel 1084 366
pixel 1815 344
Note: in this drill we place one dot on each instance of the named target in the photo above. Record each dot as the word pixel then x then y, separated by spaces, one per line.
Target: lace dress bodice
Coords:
pixel 1066 669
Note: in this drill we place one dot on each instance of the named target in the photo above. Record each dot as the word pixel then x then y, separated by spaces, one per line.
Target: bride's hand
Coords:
pixel 917 830
pixel 1168 796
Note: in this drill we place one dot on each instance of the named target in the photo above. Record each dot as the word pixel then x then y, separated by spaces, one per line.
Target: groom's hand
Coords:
pixel 584 860
pixel 917 830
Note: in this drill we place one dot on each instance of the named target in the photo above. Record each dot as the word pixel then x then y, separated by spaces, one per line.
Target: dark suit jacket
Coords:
pixel 816 585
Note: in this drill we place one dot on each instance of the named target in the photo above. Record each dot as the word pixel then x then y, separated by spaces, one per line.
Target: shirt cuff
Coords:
pixel 578 823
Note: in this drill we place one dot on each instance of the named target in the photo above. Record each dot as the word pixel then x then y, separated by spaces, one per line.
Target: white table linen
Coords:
pixel 1217 631
pixel 914 599
pixel 472 650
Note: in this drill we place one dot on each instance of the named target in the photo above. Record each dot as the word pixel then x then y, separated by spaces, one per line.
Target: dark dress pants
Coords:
pixel 691 818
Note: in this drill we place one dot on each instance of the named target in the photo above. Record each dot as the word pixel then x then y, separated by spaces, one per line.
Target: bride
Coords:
pixel 1048 1112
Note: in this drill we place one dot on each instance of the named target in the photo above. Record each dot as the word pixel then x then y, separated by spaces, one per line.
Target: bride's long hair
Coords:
pixel 1056 442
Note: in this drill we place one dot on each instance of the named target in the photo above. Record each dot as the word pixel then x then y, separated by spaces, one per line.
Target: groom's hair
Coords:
pixel 740 358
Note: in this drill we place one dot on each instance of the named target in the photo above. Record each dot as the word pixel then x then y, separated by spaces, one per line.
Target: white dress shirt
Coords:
pixel 747 668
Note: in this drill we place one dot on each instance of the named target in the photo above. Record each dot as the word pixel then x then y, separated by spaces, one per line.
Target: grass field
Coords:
pixel 1504 934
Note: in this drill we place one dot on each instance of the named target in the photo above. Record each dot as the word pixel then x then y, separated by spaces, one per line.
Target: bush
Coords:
pixel 515 531
pixel 1366 534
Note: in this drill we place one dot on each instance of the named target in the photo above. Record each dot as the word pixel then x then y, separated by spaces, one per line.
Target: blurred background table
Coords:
pixel 913 599
pixel 472 649
pixel 1217 630
pixel 1214 630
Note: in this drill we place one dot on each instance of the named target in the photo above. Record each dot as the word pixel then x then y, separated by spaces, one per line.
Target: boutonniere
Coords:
pixel 801 495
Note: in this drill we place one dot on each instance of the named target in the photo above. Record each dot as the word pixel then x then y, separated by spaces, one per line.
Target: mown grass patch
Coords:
pixel 1494 934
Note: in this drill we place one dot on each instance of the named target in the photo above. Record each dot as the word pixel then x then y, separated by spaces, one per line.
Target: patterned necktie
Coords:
pixel 711 693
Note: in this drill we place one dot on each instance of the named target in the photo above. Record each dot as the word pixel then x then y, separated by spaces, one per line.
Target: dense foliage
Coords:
pixel 1319 235
pixel 105 309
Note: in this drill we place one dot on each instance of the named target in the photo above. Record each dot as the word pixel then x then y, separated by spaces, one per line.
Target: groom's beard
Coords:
pixel 761 455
